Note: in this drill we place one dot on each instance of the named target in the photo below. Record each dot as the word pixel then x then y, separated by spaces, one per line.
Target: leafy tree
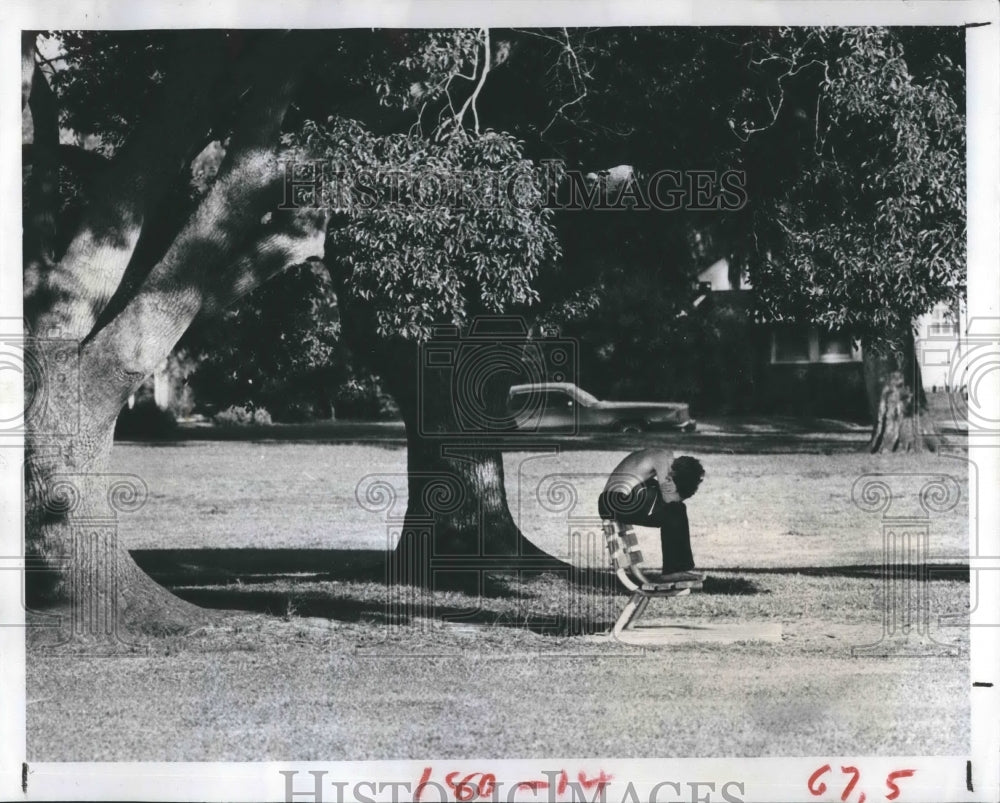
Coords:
pixel 852 142
pixel 435 239
pixel 871 232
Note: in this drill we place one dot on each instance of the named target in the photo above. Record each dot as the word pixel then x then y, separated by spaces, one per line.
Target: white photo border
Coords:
pixel 952 778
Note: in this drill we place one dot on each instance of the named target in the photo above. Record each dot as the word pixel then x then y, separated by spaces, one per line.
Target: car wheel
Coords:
pixel 632 428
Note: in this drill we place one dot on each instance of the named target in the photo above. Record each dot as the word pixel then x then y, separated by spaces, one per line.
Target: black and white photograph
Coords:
pixel 512 402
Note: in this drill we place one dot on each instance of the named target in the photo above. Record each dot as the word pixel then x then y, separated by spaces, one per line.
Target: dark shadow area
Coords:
pixel 731 586
pixel 379 614
pixel 929 571
pixel 377 611
pixel 764 435
pixel 732 436
pixel 490 577
pixel 219 566
pixel 729 443
pixel 585 600
pixel 279 603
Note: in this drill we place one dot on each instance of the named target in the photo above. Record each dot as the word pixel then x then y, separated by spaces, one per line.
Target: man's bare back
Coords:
pixel 642 466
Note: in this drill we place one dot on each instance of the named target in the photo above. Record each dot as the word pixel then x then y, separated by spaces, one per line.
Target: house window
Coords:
pixel 835 347
pixel 790 345
pixel 942 327
pixel 942 322
pixel 807 345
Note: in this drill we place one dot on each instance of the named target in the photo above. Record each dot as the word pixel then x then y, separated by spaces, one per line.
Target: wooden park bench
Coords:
pixel 627 561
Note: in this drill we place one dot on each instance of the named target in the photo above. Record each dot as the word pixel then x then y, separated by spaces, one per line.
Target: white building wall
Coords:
pixel 940 343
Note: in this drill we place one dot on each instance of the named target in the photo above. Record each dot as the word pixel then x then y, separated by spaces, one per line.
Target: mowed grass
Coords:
pixel 330 676
pixel 752 510
pixel 269 689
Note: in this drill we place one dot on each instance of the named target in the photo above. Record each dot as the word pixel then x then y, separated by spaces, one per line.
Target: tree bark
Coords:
pixel 76 395
pixel 79 569
pixel 896 399
pixel 42 187
pixel 458 528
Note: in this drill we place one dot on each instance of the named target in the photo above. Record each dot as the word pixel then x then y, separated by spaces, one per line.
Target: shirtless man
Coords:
pixel 648 488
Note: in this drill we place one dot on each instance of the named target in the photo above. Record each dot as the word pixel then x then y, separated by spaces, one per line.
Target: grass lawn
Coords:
pixel 330 676
pixel 760 511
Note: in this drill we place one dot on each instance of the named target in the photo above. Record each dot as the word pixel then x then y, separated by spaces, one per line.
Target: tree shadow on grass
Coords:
pixel 731 586
pixel 928 571
pixel 546 596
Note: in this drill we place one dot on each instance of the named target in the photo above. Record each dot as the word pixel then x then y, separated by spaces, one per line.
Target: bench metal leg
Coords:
pixel 639 611
pixel 629 612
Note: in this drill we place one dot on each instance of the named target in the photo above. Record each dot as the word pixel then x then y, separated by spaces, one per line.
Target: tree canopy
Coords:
pixel 852 141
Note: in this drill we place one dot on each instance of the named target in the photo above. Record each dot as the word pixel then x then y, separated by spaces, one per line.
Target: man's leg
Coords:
pixel 633 507
pixel 675 537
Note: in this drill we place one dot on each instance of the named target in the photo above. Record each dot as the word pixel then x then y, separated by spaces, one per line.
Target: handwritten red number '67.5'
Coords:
pixel 817 787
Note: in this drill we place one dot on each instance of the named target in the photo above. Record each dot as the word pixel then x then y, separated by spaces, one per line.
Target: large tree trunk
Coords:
pixel 896 399
pixel 79 379
pixel 458 525
pixel 79 571
pixel 458 528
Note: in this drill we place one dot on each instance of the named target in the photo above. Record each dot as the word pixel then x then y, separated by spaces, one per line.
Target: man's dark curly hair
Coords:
pixel 688 474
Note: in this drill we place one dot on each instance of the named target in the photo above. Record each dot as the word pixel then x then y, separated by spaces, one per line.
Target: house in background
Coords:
pixel 941 343
pixel 804 369
pixel 795 369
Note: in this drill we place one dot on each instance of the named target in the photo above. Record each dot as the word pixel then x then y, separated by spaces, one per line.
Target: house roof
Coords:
pixel 717 275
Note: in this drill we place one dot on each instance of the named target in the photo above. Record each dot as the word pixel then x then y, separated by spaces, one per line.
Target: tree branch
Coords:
pixel 572 61
pixel 197 268
pixel 42 190
pixel 27 64
pixel 75 290
pixel 471 100
pixel 85 163
pixel 289 238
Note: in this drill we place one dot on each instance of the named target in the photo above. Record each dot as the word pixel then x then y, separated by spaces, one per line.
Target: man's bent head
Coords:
pixel 687 474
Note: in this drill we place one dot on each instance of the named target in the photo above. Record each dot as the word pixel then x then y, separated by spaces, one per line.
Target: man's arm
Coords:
pixel 661 461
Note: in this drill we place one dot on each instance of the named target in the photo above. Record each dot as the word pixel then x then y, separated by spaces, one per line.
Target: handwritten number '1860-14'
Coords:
pixel 817 787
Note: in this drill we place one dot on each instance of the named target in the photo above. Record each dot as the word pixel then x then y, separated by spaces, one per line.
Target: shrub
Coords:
pixel 364 399
pixel 237 415
pixel 297 411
